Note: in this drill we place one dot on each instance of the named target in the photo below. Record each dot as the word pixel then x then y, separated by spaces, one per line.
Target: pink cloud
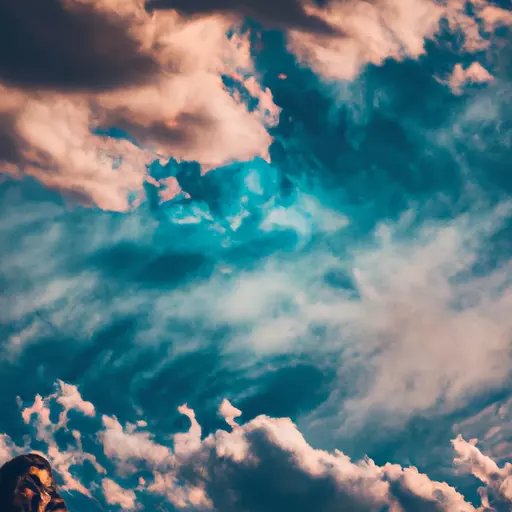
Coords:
pixel 116 495
pixel 217 472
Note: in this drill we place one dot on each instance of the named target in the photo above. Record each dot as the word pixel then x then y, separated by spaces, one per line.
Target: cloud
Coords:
pixel 229 413
pixel 69 46
pixel 370 33
pixel 403 297
pixel 62 460
pixel 493 427
pixel 126 447
pixel 54 145
pixel 70 398
pixel 408 302
pixel 494 16
pixel 159 81
pixel 497 493
pixel 475 73
pixel 116 495
pixel 284 14
pixel 228 470
pixel 6 450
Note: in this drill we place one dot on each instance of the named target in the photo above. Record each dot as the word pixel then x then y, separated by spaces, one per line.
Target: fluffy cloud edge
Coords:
pixel 182 109
pixel 217 472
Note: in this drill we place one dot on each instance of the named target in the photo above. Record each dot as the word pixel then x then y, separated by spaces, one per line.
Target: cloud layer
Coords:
pixel 343 276
pixel 264 464
pixel 158 79
pixel 158 76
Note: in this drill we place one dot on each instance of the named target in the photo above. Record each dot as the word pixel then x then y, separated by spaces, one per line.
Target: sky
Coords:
pixel 255 255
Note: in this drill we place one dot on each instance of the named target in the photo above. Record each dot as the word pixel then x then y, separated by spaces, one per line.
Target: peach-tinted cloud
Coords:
pixel 70 398
pixel 475 73
pixel 494 17
pixel 229 413
pixel 182 110
pixel 498 481
pixel 371 32
pixel 190 441
pixel 126 447
pixel 62 460
pixel 116 495
pixel 218 472
pixel 170 189
pixel 165 88
pixel 493 427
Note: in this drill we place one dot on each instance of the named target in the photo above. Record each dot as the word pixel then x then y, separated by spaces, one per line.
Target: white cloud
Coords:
pixel 371 32
pixel 6 449
pixel 62 460
pixel 416 332
pixel 126 447
pixel 228 470
pixel 493 427
pixel 116 495
pixel 408 301
pixel 184 111
pixel 475 73
pixel 229 413
pixel 70 398
pixel 497 492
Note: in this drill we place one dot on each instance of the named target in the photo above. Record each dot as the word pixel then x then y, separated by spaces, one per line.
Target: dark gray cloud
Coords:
pixel 287 14
pixel 9 143
pixel 47 45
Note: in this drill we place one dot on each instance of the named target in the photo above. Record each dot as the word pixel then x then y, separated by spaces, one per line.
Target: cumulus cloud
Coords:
pixel 229 413
pixel 69 45
pixel 494 16
pixel 493 427
pixel 126 447
pixel 158 78
pixel 371 32
pixel 404 298
pixel 475 73
pixel 67 397
pixel 156 73
pixel 116 495
pixel 283 14
pixel 229 470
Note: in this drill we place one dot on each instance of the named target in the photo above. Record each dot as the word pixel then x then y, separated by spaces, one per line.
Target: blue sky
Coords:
pixel 308 234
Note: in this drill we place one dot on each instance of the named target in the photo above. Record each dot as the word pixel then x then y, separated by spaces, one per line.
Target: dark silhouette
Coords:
pixel 27 485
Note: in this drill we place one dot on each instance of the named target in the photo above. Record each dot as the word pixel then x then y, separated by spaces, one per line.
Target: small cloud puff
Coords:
pixel 229 413
pixel 475 73
pixel 116 495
